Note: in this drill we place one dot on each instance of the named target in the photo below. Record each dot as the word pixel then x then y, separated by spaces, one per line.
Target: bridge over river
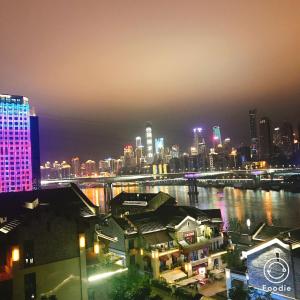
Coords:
pixel 238 178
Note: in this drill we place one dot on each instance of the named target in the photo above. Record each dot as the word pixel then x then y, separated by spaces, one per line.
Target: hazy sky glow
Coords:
pixel 97 70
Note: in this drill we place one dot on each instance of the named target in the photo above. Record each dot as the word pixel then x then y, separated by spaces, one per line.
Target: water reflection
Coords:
pixel 279 208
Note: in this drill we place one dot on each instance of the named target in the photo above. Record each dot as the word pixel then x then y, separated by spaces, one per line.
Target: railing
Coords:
pixel 199 261
pixel 161 251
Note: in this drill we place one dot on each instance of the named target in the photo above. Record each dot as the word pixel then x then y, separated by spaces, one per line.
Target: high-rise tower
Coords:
pixel 75 166
pixel 149 143
pixel 138 150
pixel 253 134
pixel 159 146
pixel 138 142
pixel 217 135
pixel 197 139
pixel 265 139
pixel 15 144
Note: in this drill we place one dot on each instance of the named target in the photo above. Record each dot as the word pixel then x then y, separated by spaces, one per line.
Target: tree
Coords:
pixel 233 259
pixel 130 286
pixel 234 225
pixel 241 293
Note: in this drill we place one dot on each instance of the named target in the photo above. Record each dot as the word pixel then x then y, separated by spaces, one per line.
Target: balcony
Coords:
pixel 202 242
pixel 199 261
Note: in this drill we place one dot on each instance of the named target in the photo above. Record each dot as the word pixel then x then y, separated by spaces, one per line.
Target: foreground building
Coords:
pixel 272 265
pixel 151 232
pixel 45 239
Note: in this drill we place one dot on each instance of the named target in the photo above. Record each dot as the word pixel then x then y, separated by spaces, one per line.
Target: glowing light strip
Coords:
pixel 105 275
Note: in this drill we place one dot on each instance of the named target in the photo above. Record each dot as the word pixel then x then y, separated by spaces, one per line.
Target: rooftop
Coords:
pixel 15 207
pixel 162 218
pixel 140 202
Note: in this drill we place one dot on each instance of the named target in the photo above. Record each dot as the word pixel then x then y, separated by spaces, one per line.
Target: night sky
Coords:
pixel 96 71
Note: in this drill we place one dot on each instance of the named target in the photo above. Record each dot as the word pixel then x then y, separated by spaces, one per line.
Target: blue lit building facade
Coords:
pixel 15 144
pixel 159 145
pixel 217 135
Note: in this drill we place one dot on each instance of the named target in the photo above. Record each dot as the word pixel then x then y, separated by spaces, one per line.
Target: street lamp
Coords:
pixel 248 223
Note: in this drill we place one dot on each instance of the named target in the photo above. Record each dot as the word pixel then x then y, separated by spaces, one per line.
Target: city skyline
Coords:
pixel 174 64
pixel 207 131
pixel 149 150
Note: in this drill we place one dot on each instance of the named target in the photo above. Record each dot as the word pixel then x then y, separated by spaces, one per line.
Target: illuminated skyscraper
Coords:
pixel 75 166
pixel 253 134
pixel 175 151
pixel 138 150
pixel 15 144
pixel 265 139
pixel 65 170
pixel 149 143
pixel 287 137
pixel 138 142
pixel 217 135
pixel 104 165
pixel 197 139
pixel 139 155
pixel 199 142
pixel 90 168
pixel 159 145
pixel 129 160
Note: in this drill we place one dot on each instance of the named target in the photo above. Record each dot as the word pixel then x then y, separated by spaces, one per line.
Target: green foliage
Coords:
pixel 234 225
pixel 155 297
pixel 161 285
pixel 183 294
pixel 233 259
pixel 241 293
pixel 130 286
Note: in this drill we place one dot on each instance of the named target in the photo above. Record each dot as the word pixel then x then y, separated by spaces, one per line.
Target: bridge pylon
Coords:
pixel 193 190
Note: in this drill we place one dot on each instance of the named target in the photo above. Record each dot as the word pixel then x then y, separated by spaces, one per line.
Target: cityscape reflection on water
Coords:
pixel 279 208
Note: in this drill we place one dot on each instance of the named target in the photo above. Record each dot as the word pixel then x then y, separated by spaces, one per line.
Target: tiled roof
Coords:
pixel 267 232
pixel 136 203
pixel 165 217
pixel 69 199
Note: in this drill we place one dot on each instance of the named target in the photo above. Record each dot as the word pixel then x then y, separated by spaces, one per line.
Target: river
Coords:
pixel 278 208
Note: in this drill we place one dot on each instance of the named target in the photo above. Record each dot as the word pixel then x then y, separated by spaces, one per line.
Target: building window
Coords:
pixel 28 253
pixel 30 286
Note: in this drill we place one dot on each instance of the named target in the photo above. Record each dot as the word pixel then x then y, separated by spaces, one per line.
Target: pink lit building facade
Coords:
pixel 15 144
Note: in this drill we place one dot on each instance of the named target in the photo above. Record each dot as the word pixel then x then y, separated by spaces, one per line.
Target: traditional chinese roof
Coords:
pixel 17 206
pixel 163 218
pixel 136 203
